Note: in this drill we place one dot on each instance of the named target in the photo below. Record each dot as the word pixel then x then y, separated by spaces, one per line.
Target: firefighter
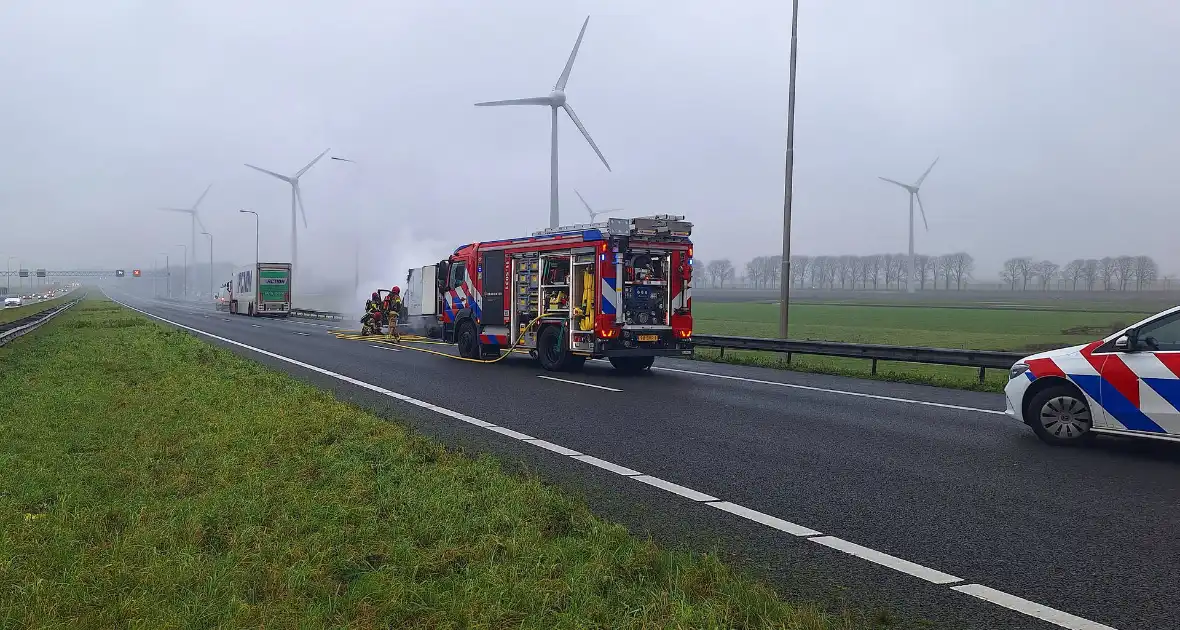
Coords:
pixel 372 319
pixel 393 308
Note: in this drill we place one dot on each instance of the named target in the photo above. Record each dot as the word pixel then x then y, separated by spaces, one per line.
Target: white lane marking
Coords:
pixel 1032 609
pixel 252 325
pixel 773 522
pixel 510 433
pixel 224 319
pixel 982 592
pixel 297 332
pixel 886 560
pixel 550 446
pixel 605 465
pixel 825 390
pixel 373 345
pixel 674 488
pixel 550 378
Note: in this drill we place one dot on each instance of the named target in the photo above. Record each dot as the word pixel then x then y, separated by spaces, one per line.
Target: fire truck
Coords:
pixel 619 290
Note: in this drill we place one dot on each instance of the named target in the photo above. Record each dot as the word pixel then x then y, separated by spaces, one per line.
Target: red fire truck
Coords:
pixel 619 290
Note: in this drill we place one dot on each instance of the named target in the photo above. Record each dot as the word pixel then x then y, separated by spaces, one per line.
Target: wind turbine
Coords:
pixel 555 101
pixel 594 213
pixel 296 199
pixel 194 221
pixel 913 190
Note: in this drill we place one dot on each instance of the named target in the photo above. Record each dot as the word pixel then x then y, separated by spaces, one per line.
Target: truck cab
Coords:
pixel 619 290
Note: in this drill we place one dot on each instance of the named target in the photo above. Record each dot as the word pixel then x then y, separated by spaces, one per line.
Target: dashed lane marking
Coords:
pixel 551 378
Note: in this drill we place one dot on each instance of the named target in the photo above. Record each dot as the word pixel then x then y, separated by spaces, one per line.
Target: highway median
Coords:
pixel 154 480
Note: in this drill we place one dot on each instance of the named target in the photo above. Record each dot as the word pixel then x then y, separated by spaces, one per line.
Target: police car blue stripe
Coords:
pixel 1115 403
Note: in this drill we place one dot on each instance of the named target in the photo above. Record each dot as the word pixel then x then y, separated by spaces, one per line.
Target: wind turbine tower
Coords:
pixel 913 190
pixel 556 100
pixel 594 213
pixel 296 200
pixel 194 221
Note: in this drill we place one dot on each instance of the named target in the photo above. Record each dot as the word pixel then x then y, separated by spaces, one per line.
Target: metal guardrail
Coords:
pixel 307 313
pixel 982 359
pixel 23 329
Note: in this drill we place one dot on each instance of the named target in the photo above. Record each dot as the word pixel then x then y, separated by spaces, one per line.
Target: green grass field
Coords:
pixel 972 328
pixel 13 314
pixel 151 480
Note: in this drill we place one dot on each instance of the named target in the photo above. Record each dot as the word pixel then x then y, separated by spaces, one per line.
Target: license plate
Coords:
pixel 649 337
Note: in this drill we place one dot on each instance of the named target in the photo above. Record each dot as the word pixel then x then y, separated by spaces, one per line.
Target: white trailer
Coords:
pixel 420 299
pixel 262 289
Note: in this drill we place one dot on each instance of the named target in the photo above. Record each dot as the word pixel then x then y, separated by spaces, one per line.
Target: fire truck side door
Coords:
pixel 492 270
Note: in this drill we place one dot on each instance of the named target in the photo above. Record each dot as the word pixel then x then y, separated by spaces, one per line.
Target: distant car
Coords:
pixel 1126 384
pixel 12 302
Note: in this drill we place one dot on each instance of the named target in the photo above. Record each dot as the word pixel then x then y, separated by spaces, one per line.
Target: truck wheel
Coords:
pixel 251 310
pixel 551 351
pixel 632 365
pixel 467 340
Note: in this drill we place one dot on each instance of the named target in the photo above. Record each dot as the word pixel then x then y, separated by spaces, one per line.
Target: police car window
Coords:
pixel 1165 333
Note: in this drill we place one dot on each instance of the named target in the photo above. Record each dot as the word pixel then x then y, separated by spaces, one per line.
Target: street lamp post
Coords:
pixel 785 280
pixel 255 236
pixel 210 263
pixel 8 277
pixel 184 286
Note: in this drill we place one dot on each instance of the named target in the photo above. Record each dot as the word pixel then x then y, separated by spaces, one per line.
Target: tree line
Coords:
pixel 876 271
pixel 1112 273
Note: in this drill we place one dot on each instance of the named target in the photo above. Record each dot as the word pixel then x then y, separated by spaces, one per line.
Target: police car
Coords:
pixel 1126 384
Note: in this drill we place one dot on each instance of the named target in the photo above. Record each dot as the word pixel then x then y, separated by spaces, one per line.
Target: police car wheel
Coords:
pixel 1059 415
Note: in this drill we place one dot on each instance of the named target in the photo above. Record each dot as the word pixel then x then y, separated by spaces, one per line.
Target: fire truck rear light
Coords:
pixel 684 334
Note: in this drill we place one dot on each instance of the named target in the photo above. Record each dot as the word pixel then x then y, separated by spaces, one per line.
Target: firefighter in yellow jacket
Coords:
pixel 393 308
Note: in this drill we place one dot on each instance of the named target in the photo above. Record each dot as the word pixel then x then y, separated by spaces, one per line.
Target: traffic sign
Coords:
pixel 119 273
pixel 135 272
pixel 40 273
pixel 24 273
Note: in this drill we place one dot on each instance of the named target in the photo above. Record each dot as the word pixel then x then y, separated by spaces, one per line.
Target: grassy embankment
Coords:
pixel 973 328
pixel 152 480
pixel 13 314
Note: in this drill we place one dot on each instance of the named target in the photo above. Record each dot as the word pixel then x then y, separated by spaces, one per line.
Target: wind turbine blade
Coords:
pixel 923 177
pixel 574 117
pixel 202 197
pixel 894 181
pixel 536 100
pixel 569 65
pixel 199 222
pixel 184 210
pixel 922 210
pixel 271 173
pixel 588 209
pixel 311 164
pixel 299 198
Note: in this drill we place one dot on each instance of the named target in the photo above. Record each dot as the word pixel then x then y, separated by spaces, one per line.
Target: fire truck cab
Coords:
pixel 619 290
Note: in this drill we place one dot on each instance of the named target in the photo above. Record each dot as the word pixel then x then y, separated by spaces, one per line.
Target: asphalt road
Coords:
pixel 931 476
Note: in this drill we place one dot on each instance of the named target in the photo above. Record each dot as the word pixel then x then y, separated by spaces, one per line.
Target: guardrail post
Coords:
pixel 874 370
pixel 981 371
pixel 722 352
pixel 789 358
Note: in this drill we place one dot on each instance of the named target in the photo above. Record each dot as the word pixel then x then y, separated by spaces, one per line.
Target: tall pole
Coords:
pixel 554 218
pixel 167 274
pixel 210 263
pixel 909 281
pixel 294 243
pixel 193 242
pixel 784 292
pixel 8 277
pixel 185 285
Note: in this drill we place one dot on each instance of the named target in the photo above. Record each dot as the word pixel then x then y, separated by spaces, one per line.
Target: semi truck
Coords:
pixel 619 290
pixel 262 289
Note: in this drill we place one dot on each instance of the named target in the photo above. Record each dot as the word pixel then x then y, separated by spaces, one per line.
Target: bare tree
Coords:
pixel 1106 272
pixel 921 264
pixel 856 269
pixel 894 263
pixel 1024 266
pixel 724 270
pixel 1045 271
pixel 963 266
pixel 818 269
pixel 1090 273
pixel 1073 272
pixel 799 265
pixel 1124 269
pixel 876 266
pixel 1011 272
pixel 1146 272
pixel 754 272
pixel 946 270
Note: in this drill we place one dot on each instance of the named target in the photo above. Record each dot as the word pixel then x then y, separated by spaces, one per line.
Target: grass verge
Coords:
pixel 152 480
pixel 13 314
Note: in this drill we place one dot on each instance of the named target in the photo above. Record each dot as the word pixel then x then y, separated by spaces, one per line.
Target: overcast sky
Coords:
pixel 1056 123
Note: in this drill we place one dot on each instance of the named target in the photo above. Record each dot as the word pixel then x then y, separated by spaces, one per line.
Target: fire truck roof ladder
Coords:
pixel 661 224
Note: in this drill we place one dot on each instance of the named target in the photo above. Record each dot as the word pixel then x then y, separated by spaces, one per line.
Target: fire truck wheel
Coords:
pixel 467 340
pixel 551 352
pixel 632 365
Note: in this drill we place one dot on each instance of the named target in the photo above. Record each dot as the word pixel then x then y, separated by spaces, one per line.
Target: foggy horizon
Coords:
pixel 1049 122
